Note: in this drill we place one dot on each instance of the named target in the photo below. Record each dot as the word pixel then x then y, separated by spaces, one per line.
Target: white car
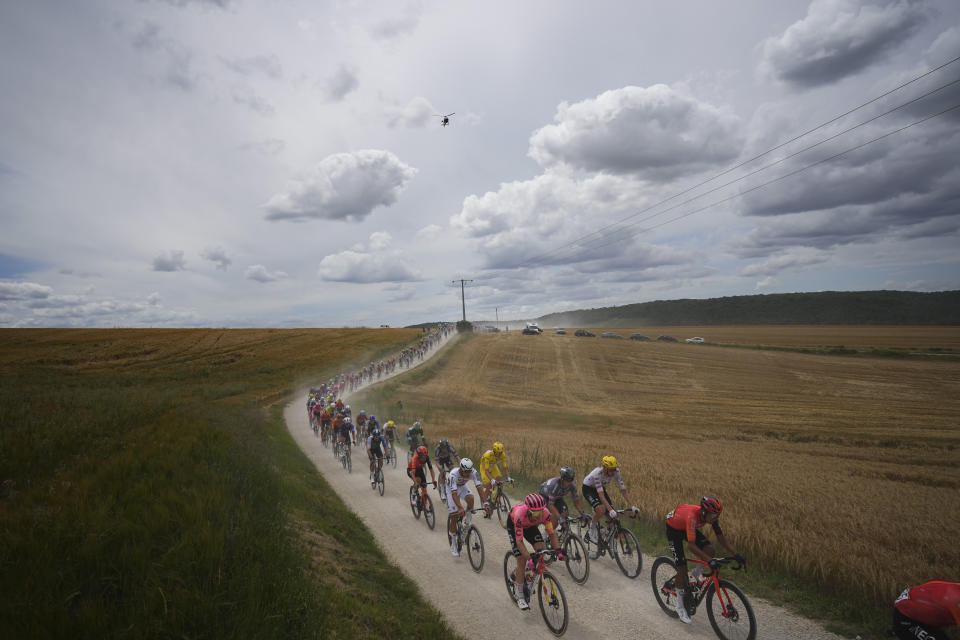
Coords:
pixel 694 340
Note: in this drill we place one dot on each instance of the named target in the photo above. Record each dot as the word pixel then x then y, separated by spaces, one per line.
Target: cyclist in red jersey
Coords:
pixel 921 612
pixel 683 523
pixel 523 523
pixel 415 468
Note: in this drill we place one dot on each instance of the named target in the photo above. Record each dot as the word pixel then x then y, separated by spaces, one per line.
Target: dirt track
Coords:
pixel 607 606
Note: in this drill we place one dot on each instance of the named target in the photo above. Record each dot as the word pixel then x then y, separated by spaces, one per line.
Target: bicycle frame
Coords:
pixel 702 586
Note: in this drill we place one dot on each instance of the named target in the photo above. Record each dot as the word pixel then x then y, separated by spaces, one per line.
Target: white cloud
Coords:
pixel 169 261
pixel 378 263
pixel 344 186
pixel 657 132
pixel 839 38
pixel 24 291
pixel 417 113
pixel 260 273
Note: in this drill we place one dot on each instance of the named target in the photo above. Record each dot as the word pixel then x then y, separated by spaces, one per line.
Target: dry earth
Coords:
pixel 607 606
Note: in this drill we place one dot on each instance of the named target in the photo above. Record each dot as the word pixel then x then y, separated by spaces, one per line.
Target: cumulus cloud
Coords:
pixel 378 262
pixel 336 87
pixel 344 186
pixel 24 291
pixel 417 114
pixel 260 273
pixel 217 255
pixel 169 261
pixel 656 132
pixel 839 38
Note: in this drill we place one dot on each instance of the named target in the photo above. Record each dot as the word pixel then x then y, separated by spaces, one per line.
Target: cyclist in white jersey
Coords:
pixel 458 488
pixel 594 490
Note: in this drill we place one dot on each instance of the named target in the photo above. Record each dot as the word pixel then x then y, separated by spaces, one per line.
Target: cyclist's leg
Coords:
pixel 906 628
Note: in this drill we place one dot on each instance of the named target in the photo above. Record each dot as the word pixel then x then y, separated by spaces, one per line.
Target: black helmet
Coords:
pixel 567 473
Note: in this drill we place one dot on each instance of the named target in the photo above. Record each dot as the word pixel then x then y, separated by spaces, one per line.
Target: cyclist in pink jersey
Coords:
pixel 523 523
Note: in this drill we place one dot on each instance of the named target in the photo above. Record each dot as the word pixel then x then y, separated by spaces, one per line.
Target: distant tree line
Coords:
pixel 826 307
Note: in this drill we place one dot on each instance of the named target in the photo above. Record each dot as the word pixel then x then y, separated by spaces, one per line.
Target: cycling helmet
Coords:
pixel 422 451
pixel 372 417
pixel 390 423
pixel 466 464
pixel 418 426
pixel 535 501
pixel 375 433
pixel 609 462
pixel 498 448
pixel 346 407
pixel 711 504
pixel 444 442
pixel 362 412
pixel 567 473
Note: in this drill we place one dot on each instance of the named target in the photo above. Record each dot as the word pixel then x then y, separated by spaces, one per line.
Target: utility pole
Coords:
pixel 463 300
pixel 496 311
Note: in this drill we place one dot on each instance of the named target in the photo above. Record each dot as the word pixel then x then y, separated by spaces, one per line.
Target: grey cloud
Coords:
pixel 169 261
pixel 24 291
pixel 178 59
pixel 248 98
pixel 336 87
pixel 398 292
pixel 398 26
pixel 655 133
pixel 260 273
pixel 219 4
pixel 217 255
pixel 839 38
pixel 267 65
pixel 787 262
pixel 344 186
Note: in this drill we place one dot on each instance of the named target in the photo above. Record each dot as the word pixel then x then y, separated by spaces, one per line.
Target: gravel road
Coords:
pixel 608 606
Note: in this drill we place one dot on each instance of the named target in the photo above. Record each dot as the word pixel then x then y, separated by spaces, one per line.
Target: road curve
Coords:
pixel 608 606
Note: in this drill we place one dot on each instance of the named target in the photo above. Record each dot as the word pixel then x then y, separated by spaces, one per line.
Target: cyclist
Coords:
pixel 344 430
pixel 390 431
pixel 595 492
pixel 371 424
pixel 376 445
pixel 443 453
pixel 553 491
pixel 490 463
pixel 326 420
pixel 362 419
pixel 683 523
pixel 415 436
pixel 523 523
pixel 415 468
pixel 922 612
pixel 457 489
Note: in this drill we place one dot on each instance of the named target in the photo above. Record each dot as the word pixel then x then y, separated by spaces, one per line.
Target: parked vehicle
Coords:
pixel 583 333
pixel 666 338
pixel 639 336
pixel 561 331
pixel 696 340
pixel 611 334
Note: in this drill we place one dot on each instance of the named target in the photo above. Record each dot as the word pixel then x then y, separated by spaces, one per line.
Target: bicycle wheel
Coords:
pixel 626 551
pixel 393 456
pixel 475 548
pixel 575 557
pixel 428 513
pixel 413 503
pixel 730 613
pixel 343 457
pixel 553 604
pixel 663 573
pixel 592 546
pixel 508 577
pixel 378 478
pixel 349 463
pixel 503 509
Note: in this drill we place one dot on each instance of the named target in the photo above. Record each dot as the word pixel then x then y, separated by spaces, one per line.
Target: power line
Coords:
pixel 786 175
pixel 600 231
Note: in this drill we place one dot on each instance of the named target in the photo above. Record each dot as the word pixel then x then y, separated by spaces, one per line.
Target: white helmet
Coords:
pixel 466 464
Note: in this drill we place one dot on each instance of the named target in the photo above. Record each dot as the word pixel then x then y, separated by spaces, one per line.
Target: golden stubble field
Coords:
pixel 842 469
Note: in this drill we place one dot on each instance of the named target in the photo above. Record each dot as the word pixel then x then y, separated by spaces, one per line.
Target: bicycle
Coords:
pixel 550 596
pixel 325 435
pixel 421 503
pixel 616 540
pixel 728 609
pixel 378 479
pixel 500 502
pixel 391 454
pixel 575 554
pixel 315 426
pixel 470 538
pixel 345 458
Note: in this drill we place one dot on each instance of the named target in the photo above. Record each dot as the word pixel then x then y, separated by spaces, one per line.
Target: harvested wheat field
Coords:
pixel 841 469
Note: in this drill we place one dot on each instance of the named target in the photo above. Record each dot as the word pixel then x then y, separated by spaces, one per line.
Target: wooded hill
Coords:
pixel 825 307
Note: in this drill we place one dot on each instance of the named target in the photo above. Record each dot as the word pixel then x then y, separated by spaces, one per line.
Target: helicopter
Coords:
pixel 444 120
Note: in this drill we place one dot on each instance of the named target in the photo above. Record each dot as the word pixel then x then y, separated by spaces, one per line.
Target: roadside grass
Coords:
pixel 834 471
pixel 149 488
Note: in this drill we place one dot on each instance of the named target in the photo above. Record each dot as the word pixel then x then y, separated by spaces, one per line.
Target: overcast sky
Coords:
pixel 280 163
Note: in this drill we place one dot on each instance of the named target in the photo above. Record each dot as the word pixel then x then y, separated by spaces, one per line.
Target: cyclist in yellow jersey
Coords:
pixel 490 464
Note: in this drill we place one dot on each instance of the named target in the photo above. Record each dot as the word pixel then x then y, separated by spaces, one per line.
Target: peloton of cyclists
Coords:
pixel 553 491
pixel 594 490
pixel 684 523
pixel 376 448
pixel 458 492
pixel 523 524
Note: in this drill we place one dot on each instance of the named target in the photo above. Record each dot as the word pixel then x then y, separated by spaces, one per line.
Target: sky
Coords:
pixel 267 163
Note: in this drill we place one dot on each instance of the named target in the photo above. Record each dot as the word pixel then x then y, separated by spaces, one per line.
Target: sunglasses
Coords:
pixel 535 513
